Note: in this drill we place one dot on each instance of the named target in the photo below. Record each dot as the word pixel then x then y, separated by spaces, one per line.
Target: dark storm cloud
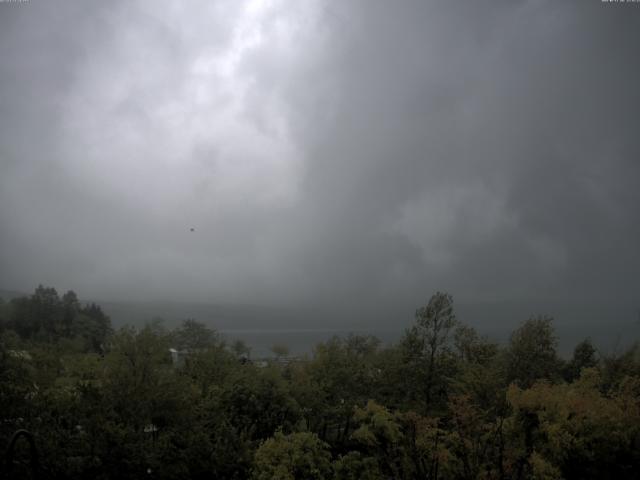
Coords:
pixel 362 154
pixel 500 137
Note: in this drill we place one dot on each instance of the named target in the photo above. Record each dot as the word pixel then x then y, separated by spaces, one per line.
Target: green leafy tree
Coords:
pixel 426 446
pixel 575 430
pixel 37 316
pixel 151 414
pixel 532 353
pixel 94 326
pixel 212 368
pixel 4 315
pixel 71 307
pixel 258 402
pixel 474 440
pixel 618 365
pixel 44 317
pixel 428 359
pixel 480 370
pixel 584 356
pixel 17 386
pixel 140 380
pixel 356 466
pixel 379 435
pixel 193 335
pixel 297 456
pixel 344 374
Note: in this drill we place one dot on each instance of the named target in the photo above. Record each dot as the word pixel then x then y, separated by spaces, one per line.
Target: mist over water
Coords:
pixel 611 326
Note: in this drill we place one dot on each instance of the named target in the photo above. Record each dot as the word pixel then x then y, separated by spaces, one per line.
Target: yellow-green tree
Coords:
pixel 297 456
pixel 578 430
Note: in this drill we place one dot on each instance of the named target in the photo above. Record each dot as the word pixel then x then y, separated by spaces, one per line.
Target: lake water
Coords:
pixel 300 341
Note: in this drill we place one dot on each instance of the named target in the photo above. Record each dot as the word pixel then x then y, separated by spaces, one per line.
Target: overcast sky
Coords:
pixel 347 152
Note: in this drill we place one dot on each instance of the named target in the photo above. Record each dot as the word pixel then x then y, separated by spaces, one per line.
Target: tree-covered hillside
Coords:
pixel 442 403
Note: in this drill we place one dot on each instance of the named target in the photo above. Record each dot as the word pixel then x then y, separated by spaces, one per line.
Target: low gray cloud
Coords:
pixel 358 154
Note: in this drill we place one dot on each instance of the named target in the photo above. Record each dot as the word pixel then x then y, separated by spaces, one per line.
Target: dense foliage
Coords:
pixel 443 403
